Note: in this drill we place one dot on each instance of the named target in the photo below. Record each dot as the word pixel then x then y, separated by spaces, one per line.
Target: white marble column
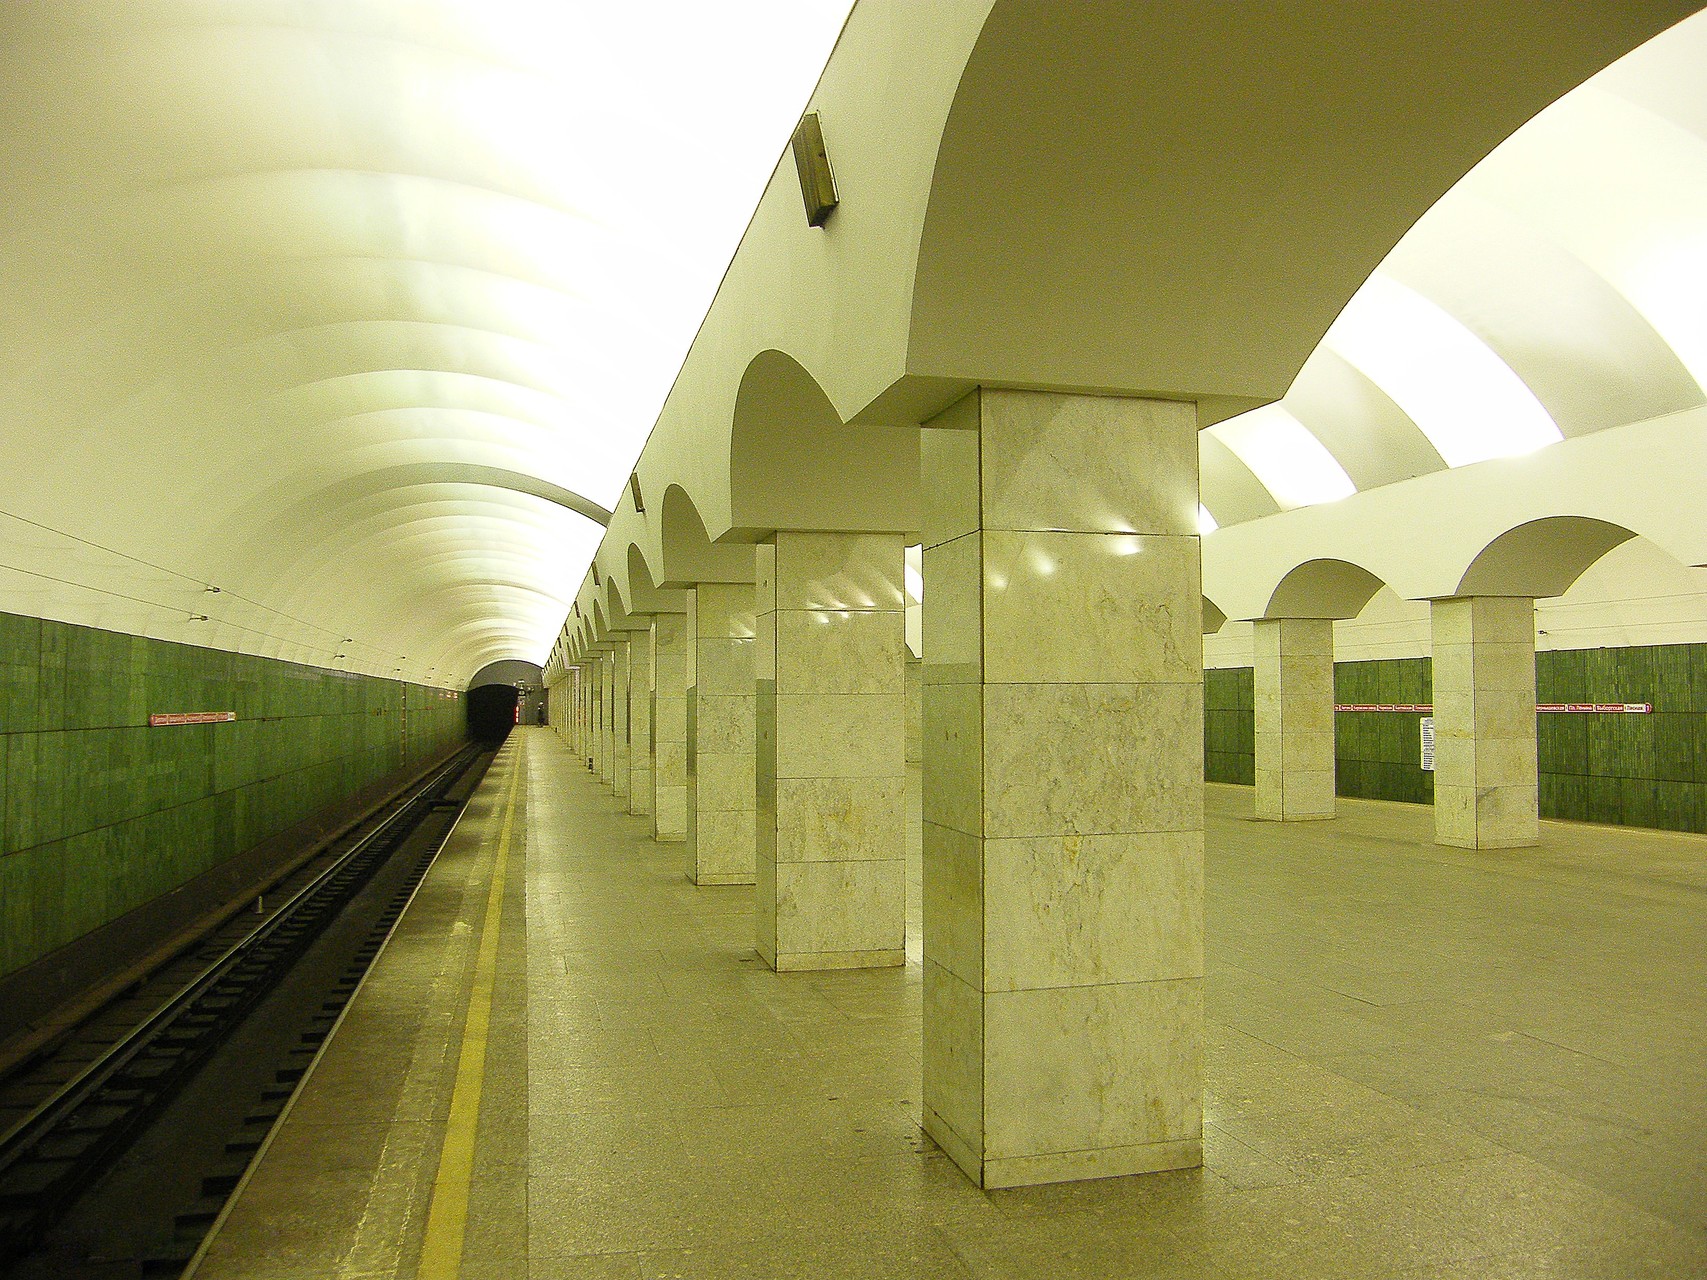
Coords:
pixel 1063 787
pixel 619 698
pixel 590 712
pixel 1484 722
pixel 578 732
pixel 578 735
pixel 641 673
pixel 830 740
pixel 590 743
pixel 720 788
pixel 1294 679
pixel 669 728
pixel 607 693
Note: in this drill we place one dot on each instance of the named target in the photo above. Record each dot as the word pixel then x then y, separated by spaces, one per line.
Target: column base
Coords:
pixel 809 961
pixel 1491 842
pixel 1061 1166
pixel 1485 818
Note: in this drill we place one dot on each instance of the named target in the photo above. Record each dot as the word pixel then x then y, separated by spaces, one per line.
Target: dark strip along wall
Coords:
pixel 1633 770
pixel 104 818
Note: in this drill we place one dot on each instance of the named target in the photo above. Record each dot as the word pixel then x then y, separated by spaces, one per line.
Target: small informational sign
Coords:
pixel 1424 707
pixel 1577 708
pixel 161 719
pixel 1597 708
pixel 1428 743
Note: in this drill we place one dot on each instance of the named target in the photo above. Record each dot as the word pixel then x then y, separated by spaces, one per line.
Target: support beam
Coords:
pixel 621 746
pixel 830 725
pixel 720 791
pixel 1294 718
pixel 641 675
pixel 1484 722
pixel 670 728
pixel 607 715
pixel 1063 787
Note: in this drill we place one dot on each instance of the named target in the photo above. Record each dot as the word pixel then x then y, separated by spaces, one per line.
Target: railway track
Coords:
pixel 69 1115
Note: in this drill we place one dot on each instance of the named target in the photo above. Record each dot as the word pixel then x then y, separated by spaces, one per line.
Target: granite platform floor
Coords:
pixel 1422 1062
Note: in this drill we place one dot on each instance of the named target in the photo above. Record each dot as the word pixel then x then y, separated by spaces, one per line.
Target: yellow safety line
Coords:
pixel 447 1216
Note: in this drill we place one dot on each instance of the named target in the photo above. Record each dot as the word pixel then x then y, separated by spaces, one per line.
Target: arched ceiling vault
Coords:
pixel 337 307
pixel 1551 294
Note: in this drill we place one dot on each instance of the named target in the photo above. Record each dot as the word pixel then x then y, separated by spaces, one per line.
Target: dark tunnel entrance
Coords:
pixel 491 712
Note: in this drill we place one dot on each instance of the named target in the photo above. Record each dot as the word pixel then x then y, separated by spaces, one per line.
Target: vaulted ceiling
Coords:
pixel 332 331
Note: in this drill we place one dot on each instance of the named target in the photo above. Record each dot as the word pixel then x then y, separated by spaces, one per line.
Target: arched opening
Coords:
pixel 1178 199
pixel 1323 589
pixel 1541 558
pixel 689 555
pixel 793 463
pixel 502 695
pixel 493 710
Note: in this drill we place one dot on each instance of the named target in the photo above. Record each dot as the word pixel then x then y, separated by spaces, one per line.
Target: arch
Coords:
pixel 622 617
pixel 414 474
pixel 1101 157
pixel 1540 558
pixel 1323 589
pixel 507 671
pixel 647 595
pixel 793 463
pixel 1213 617
pixel 689 555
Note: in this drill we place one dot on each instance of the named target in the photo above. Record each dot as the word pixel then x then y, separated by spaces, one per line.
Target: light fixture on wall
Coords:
pixel 812 163
pixel 634 489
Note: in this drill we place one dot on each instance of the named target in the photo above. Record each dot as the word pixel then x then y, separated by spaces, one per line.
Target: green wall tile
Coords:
pixel 110 813
pixel 1585 760
pixel 1604 799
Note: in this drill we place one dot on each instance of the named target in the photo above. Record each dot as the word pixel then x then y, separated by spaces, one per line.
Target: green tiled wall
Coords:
pixel 1229 726
pixel 1635 770
pixel 1638 770
pixel 1378 754
pixel 102 813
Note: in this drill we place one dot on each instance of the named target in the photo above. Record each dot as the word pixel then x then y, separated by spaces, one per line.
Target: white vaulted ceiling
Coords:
pixel 1555 292
pixel 358 310
pixel 331 329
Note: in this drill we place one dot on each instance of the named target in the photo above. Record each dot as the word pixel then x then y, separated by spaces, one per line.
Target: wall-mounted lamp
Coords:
pixel 634 489
pixel 812 163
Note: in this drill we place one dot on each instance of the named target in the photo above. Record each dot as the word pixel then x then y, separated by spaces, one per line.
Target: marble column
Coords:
pixel 607 745
pixel 641 669
pixel 669 728
pixel 830 742
pixel 1294 718
pixel 1063 787
pixel 1484 722
pixel 619 698
pixel 578 729
pixel 590 746
pixel 720 789
pixel 590 712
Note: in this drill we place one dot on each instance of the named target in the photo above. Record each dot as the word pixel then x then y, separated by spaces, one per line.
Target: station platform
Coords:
pixel 1422 1062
